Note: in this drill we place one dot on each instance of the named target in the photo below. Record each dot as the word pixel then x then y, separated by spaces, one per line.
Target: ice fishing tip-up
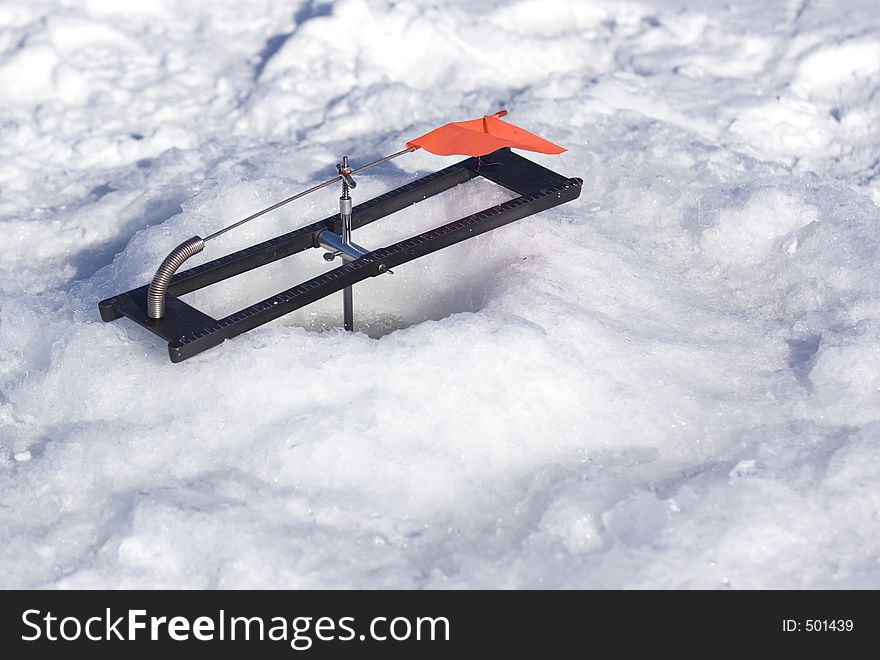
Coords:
pixel 488 141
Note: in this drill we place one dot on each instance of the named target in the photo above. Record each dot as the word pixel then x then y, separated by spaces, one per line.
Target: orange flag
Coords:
pixel 479 137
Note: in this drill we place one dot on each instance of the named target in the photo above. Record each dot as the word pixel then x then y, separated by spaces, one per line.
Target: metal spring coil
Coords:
pixel 162 278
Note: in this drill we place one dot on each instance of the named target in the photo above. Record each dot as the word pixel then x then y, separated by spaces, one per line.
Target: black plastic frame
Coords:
pixel 189 331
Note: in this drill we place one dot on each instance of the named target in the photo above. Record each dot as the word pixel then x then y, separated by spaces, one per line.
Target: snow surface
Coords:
pixel 672 382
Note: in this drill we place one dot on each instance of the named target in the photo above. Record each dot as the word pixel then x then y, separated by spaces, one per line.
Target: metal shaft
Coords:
pixel 348 308
pixel 384 159
pixel 326 183
pixel 345 217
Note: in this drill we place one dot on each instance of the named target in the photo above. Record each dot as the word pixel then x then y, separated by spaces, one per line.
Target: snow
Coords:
pixel 672 382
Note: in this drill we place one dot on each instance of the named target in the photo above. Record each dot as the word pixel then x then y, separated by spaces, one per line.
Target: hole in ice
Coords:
pixel 453 280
